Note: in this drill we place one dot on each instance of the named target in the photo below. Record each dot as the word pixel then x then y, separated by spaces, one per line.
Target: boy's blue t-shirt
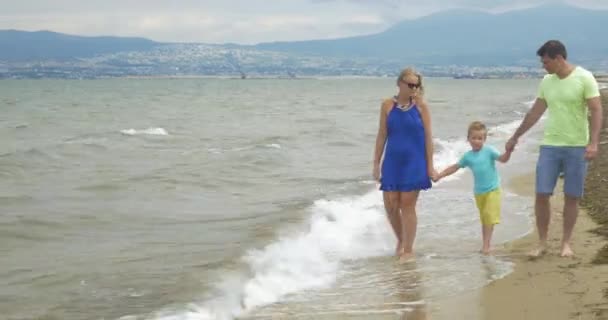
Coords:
pixel 483 165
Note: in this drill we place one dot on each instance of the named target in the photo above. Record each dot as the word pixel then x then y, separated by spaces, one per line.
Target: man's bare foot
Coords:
pixel 566 251
pixel 406 257
pixel 537 252
pixel 399 249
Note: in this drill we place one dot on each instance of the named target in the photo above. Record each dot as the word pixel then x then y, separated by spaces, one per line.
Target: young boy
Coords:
pixel 481 160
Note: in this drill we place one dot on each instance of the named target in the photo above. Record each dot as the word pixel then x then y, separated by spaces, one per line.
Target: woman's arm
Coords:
pixel 380 139
pixel 428 136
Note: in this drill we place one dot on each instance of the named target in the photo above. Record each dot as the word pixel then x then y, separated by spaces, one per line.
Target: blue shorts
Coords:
pixel 552 161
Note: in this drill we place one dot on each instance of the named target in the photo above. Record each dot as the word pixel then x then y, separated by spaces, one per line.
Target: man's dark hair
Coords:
pixel 552 48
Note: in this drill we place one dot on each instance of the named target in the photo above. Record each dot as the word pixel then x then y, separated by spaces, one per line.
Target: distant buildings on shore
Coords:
pixel 79 71
pixel 207 61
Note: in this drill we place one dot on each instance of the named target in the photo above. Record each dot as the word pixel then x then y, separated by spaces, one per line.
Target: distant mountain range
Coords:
pixel 41 45
pixel 458 37
pixel 472 37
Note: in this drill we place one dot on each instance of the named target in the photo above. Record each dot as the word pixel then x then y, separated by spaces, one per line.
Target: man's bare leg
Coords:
pixel 570 215
pixel 409 223
pixel 391 205
pixel 542 210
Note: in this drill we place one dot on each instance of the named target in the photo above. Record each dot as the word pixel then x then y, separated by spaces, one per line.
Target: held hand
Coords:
pixel 510 145
pixel 433 175
pixel 591 151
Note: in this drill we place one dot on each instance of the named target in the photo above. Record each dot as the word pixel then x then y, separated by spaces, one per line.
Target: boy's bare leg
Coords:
pixel 486 233
pixel 391 205
pixel 542 210
pixel 409 223
pixel 570 215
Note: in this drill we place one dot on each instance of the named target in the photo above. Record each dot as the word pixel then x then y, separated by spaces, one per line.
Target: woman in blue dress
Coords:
pixel 403 158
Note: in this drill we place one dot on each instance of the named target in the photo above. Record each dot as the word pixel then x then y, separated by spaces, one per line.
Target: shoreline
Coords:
pixel 550 287
pixel 595 201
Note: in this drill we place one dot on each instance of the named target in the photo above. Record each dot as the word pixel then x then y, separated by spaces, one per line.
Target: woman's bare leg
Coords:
pixel 409 223
pixel 391 205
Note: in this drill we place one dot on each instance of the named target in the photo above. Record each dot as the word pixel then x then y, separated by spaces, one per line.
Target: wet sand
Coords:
pixel 550 287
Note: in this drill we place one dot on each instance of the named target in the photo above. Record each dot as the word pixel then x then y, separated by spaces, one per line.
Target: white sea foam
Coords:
pixel 306 260
pixel 149 131
pixel 312 258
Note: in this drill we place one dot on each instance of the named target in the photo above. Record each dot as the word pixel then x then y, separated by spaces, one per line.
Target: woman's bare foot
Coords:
pixel 406 257
pixel 486 251
pixel 566 251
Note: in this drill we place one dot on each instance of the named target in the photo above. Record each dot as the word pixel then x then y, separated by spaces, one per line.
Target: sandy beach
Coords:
pixel 550 287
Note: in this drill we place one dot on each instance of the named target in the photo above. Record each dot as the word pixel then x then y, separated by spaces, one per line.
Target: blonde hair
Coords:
pixel 477 126
pixel 409 71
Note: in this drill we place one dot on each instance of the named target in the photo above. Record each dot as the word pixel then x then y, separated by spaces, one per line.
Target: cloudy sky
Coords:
pixel 237 21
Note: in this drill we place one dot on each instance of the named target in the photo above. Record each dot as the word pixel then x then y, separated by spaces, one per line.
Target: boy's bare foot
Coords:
pixel 537 252
pixel 566 251
pixel 406 257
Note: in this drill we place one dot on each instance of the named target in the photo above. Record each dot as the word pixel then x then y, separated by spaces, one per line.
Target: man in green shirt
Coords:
pixel 568 93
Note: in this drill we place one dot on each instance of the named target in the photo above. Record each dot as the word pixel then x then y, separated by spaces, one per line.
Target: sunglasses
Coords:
pixel 411 85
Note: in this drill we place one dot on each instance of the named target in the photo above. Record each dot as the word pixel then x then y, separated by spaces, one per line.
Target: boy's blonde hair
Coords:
pixel 477 126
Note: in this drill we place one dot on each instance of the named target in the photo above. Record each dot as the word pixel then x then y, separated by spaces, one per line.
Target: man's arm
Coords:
pixel 505 156
pixel 595 108
pixel 537 111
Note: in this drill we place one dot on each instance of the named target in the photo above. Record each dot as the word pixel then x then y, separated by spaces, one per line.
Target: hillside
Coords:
pixel 41 45
pixel 465 37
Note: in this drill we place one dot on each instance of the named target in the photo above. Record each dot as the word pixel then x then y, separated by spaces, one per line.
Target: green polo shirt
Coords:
pixel 567 123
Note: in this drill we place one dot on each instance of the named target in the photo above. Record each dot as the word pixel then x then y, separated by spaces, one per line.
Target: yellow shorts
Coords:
pixel 489 207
